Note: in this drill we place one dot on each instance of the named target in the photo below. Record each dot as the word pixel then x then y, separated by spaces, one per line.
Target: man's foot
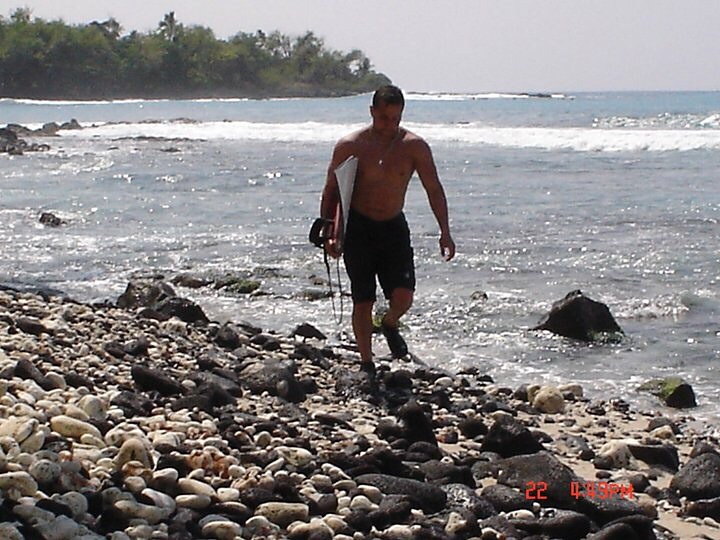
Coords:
pixel 368 368
pixel 398 347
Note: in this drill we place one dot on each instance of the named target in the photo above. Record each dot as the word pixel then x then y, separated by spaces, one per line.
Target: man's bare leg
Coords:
pixel 400 301
pixel 363 328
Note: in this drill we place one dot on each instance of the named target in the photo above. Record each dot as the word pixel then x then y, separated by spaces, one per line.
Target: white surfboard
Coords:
pixel 345 175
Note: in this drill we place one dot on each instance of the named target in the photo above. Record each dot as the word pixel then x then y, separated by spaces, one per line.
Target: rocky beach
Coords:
pixel 141 418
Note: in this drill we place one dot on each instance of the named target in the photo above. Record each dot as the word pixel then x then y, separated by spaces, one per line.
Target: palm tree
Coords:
pixel 21 15
pixel 111 28
pixel 169 27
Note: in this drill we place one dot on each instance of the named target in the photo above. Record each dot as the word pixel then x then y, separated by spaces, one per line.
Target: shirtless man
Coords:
pixel 377 240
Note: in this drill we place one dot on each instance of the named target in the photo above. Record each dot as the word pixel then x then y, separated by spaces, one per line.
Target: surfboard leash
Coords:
pixel 318 235
pixel 338 321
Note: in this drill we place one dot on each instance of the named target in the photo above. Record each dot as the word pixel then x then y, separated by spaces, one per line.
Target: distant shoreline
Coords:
pixel 219 94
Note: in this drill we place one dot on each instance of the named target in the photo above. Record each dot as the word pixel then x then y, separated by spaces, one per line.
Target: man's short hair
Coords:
pixel 388 95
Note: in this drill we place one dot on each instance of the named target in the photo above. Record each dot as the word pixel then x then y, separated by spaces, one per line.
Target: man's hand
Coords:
pixel 447 247
pixel 332 248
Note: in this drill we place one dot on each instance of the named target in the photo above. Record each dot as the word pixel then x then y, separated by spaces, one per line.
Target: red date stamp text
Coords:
pixel 537 491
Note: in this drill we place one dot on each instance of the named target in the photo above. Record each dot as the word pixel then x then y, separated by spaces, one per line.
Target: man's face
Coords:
pixel 386 118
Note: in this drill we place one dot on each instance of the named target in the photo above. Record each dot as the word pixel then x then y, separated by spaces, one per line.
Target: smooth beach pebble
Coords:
pixel 194 501
pixel 573 388
pixel 61 527
pixel 18 428
pixel 399 532
pixel 455 524
pixel 73 411
pixel 45 471
pixel 77 502
pixel 228 494
pixel 188 485
pixel 163 500
pixel 361 502
pixel 72 427
pixel 335 522
pixel 93 407
pixel 217 526
pixel 132 509
pixel 18 482
pixel 8 531
pixel 316 529
pixel 549 399
pixel 134 484
pixel 283 513
pixel 371 492
pixel 263 439
pixel 133 450
pixel 260 526
pixel 297 457
pixel 166 476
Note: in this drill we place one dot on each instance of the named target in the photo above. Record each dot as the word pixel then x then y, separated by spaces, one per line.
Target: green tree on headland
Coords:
pixel 51 59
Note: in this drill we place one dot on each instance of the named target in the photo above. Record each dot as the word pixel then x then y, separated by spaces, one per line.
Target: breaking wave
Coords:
pixel 598 139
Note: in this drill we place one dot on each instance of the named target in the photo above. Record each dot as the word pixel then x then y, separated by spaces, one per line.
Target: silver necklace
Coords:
pixel 389 148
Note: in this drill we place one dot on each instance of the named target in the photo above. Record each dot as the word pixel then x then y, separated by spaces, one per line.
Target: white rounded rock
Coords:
pixel 134 484
pixel 617 452
pixel 228 494
pixel 72 427
pixel 297 457
pixel 133 509
pixel 133 449
pixel 165 476
pixel 93 407
pixel 549 400
pixel 221 528
pixel 73 411
pixel 399 532
pixel 35 441
pixel 335 522
pixel 188 485
pixel 283 513
pixel 263 439
pixel 18 481
pixel 521 514
pixel 371 492
pixel 193 501
pixel 316 528
pixel 361 502
pixel 18 428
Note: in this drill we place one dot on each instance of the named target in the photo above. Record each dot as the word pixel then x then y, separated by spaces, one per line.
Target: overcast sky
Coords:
pixel 466 45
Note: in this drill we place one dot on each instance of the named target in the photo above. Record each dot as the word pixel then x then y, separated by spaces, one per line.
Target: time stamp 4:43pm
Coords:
pixel 536 491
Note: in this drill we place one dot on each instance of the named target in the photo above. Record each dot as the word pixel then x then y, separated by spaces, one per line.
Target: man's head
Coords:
pixel 386 110
pixel 388 95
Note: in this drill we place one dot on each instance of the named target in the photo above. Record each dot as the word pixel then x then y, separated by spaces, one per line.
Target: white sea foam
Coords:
pixel 442 96
pixel 573 139
pixel 660 121
pixel 55 102
pixel 249 131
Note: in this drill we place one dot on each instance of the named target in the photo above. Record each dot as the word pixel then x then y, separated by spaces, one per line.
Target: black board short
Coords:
pixel 378 248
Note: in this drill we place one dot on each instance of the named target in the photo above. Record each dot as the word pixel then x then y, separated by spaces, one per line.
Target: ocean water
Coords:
pixel 613 194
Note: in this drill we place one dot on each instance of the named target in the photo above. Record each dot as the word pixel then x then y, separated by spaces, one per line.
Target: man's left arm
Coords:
pixel 425 167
